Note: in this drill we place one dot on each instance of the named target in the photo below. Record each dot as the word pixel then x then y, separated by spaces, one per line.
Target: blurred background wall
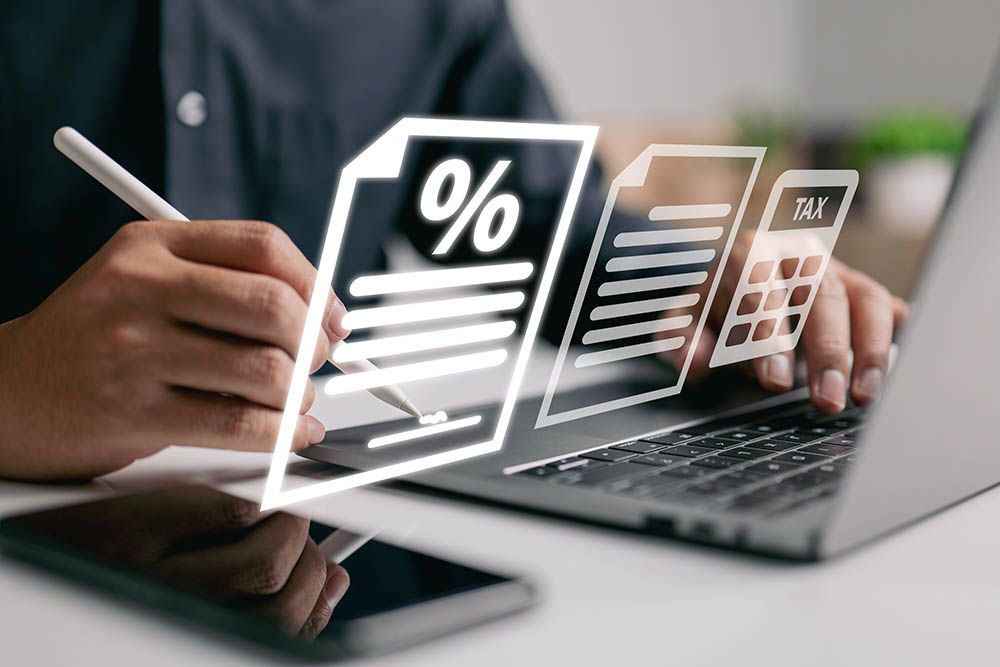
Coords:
pixel 886 87
pixel 833 60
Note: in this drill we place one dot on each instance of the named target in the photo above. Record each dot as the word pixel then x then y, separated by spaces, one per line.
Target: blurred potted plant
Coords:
pixel 909 160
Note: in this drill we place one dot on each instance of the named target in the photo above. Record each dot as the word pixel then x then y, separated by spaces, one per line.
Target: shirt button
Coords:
pixel 192 108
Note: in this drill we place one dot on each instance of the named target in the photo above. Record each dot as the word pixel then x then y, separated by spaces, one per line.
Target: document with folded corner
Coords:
pixel 648 291
pixel 472 320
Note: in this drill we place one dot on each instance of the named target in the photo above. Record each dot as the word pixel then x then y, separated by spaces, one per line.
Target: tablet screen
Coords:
pixel 263 572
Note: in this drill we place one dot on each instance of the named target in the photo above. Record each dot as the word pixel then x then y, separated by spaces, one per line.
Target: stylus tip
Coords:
pixel 408 407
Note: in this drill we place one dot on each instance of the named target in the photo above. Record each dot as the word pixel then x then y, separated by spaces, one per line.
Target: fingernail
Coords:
pixel 869 383
pixel 336 321
pixel 833 387
pixel 315 431
pixel 778 370
pixel 336 586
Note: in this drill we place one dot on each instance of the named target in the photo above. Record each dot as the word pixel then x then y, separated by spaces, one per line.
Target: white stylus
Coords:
pixel 151 206
pixel 342 543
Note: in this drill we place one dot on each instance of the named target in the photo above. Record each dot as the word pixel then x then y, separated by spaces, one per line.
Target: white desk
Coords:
pixel 929 595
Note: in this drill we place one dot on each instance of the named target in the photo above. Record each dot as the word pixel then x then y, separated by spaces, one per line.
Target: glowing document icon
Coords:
pixel 648 291
pixel 415 330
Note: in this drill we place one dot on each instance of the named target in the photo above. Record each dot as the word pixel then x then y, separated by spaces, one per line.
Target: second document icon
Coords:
pixel 646 288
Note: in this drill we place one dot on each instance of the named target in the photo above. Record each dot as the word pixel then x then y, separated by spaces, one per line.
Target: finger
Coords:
pixel 197 359
pixel 261 562
pixel 256 247
pixel 204 419
pixel 308 397
pixel 337 582
pixel 184 512
pixel 900 312
pixel 325 341
pixel 872 316
pixel 826 337
pixel 255 307
pixel 292 605
pixel 775 372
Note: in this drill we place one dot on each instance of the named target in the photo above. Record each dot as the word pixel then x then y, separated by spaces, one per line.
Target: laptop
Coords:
pixel 777 476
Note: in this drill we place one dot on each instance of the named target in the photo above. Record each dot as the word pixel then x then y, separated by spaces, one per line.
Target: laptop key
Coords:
pixel 771 467
pixel 842 440
pixel 610 455
pixel 716 462
pixel 772 445
pixel 673 438
pixel 803 480
pixel 744 453
pixel 826 449
pixel 638 447
pixel 657 459
pixel 832 469
pixel 742 477
pixel 568 463
pixel 820 430
pixel 650 486
pixel 688 451
pixel 714 443
pixel 824 474
pixel 702 429
pixel 839 422
pixel 799 437
pixel 608 473
pixel 710 488
pixel 799 458
pixel 686 471
pixel 739 434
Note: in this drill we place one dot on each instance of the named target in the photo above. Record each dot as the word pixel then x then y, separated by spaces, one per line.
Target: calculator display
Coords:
pixel 807 208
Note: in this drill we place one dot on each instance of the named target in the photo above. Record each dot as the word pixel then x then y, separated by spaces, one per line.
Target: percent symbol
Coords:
pixel 446 192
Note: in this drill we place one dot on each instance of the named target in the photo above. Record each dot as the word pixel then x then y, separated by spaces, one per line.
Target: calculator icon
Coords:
pixel 788 257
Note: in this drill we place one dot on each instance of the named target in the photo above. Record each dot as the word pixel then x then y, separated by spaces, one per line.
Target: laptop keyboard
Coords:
pixel 767 462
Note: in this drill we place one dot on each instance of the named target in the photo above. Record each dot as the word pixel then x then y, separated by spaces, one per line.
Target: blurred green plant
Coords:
pixel 764 127
pixel 907 133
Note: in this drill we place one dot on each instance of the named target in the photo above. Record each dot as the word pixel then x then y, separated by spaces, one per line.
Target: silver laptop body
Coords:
pixel 929 443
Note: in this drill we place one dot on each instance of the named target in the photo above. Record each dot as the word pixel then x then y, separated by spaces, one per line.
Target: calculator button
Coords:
pixel 775 298
pixel 799 295
pixel 789 324
pixel 749 303
pixel 810 267
pixel 761 271
pixel 764 329
pixel 738 334
pixel 787 267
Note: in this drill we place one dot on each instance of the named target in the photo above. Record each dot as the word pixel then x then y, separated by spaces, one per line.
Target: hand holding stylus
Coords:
pixel 170 334
pixel 136 194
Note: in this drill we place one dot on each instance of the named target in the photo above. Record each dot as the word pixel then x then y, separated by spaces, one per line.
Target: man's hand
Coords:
pixel 173 333
pixel 212 544
pixel 851 314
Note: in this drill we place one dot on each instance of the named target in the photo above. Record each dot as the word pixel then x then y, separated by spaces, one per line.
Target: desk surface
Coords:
pixel 927 595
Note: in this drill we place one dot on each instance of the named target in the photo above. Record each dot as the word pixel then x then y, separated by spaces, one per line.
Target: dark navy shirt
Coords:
pixel 291 91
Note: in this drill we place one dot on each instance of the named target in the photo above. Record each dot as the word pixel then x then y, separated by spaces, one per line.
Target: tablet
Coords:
pixel 209 559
